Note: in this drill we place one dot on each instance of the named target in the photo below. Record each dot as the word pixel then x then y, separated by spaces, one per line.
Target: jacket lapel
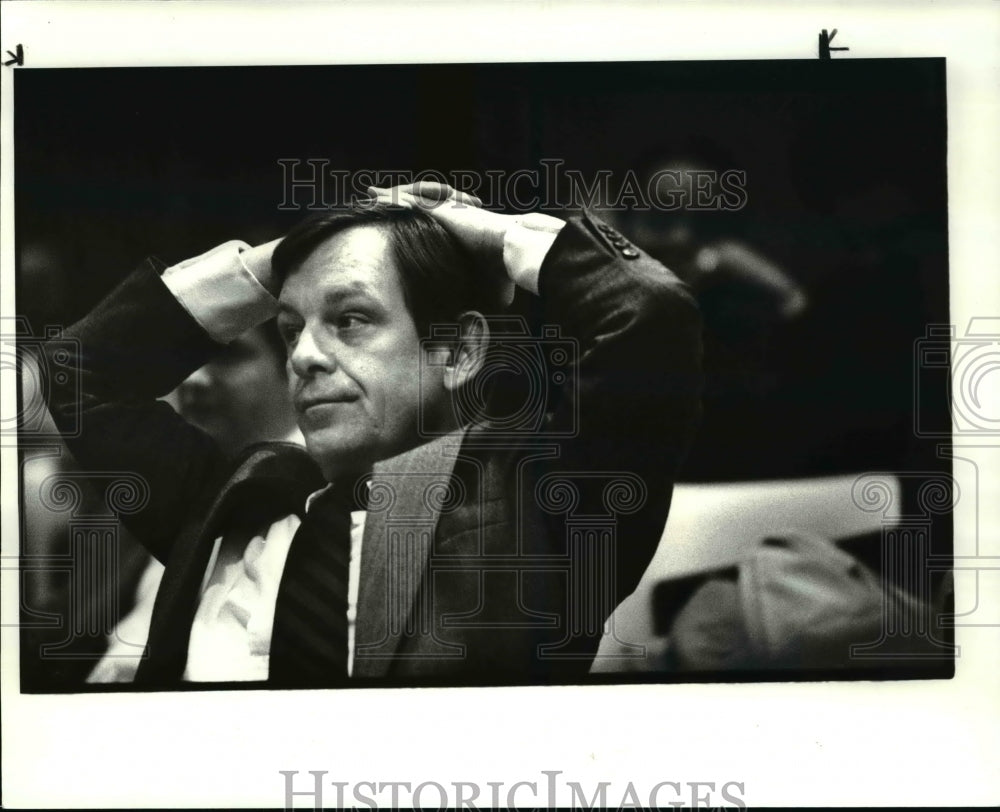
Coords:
pixel 273 480
pixel 405 501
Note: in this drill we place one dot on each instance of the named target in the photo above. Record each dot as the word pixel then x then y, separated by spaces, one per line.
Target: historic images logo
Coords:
pixel 312 184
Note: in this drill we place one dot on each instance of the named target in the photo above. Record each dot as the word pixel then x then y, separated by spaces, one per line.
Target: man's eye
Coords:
pixel 352 321
pixel 289 334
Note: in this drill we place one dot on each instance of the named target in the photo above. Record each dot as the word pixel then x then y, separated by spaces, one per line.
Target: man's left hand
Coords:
pixel 480 232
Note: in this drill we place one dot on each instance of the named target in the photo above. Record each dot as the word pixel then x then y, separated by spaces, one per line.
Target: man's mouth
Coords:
pixel 305 404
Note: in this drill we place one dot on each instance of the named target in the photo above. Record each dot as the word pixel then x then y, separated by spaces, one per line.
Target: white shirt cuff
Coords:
pixel 525 245
pixel 220 292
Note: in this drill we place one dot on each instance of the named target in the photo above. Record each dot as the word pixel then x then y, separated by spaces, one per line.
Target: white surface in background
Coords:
pixel 713 525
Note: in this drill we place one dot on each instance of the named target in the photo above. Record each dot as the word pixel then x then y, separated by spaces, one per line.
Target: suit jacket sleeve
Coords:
pixel 635 403
pixel 137 345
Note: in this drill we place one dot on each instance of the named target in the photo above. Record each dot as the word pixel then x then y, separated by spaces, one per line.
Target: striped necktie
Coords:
pixel 309 636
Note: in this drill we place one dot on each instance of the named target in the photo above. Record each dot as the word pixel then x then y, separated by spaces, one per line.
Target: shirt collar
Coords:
pixel 316 494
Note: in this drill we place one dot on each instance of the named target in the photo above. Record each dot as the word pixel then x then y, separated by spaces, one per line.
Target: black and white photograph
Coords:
pixel 427 388
pixel 731 357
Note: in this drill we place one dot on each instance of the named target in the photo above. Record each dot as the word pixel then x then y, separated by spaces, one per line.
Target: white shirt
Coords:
pixel 231 634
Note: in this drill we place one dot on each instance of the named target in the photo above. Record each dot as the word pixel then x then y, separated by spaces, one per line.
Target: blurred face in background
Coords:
pixel 241 396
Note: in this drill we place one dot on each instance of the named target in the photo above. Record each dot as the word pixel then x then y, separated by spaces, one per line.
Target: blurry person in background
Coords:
pixel 696 224
pixel 695 227
pixel 239 398
pixel 708 256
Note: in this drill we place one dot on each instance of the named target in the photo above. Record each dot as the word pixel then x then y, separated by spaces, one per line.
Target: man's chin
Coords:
pixel 339 456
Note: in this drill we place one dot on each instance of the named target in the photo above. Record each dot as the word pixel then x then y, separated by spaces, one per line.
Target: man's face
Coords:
pixel 240 396
pixel 354 354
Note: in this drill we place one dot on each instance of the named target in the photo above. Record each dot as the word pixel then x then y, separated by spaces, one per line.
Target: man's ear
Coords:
pixel 469 354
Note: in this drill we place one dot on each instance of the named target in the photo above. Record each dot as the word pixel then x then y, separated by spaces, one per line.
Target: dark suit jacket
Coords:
pixel 492 555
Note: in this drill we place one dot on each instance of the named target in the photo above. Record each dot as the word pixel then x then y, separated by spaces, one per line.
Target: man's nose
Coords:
pixel 311 355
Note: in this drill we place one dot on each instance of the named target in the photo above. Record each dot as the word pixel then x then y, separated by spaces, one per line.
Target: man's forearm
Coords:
pixel 227 290
pixel 135 346
pixel 635 401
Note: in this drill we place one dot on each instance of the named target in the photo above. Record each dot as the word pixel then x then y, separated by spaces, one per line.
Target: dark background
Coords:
pixel 846 183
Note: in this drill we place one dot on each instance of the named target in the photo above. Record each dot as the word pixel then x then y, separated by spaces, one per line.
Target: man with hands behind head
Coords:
pixel 418 540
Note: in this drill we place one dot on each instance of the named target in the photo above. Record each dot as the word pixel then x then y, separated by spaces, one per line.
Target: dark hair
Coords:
pixel 437 274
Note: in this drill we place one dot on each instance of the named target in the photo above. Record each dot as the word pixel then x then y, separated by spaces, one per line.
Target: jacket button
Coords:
pixel 630 253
